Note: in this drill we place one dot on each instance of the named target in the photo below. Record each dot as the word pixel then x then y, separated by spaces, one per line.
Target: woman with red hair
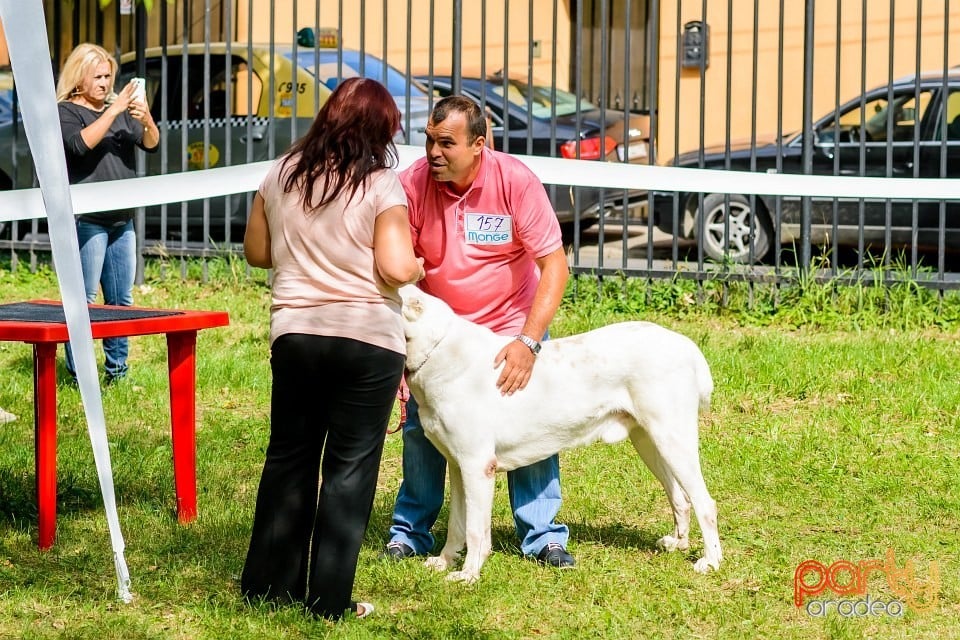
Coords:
pixel 330 219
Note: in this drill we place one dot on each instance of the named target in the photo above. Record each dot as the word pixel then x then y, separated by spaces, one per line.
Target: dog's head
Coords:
pixel 425 321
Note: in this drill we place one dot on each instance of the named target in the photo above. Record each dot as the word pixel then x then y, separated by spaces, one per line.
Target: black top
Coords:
pixel 112 159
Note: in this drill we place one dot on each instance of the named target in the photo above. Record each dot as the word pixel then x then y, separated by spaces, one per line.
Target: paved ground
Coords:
pixel 615 246
pixel 632 250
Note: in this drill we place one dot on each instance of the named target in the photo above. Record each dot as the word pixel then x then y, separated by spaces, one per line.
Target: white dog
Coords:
pixel 633 379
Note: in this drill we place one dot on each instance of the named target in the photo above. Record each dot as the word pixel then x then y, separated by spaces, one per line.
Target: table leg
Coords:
pixel 181 360
pixel 45 434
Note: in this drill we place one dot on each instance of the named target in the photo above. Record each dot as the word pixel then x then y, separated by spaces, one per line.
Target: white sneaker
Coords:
pixel 6 416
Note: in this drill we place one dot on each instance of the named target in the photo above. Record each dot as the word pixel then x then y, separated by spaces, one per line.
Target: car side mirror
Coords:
pixel 825 141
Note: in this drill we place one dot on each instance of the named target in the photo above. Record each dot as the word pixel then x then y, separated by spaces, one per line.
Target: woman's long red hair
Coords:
pixel 350 138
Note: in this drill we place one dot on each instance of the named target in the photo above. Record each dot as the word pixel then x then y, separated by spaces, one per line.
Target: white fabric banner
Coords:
pixel 24 204
pixel 23 24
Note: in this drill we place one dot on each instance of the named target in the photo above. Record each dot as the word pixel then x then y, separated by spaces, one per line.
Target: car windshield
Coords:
pixel 373 68
pixel 541 99
pixel 903 115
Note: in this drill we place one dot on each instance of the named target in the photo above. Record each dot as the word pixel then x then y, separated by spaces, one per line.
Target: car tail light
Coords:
pixel 590 149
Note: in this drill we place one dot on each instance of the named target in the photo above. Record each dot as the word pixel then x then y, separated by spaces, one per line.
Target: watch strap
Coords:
pixel 530 343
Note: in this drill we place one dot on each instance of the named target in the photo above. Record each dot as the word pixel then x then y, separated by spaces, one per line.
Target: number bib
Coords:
pixel 488 228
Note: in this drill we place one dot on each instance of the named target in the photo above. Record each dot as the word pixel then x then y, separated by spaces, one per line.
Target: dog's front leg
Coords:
pixel 478 489
pixel 455 524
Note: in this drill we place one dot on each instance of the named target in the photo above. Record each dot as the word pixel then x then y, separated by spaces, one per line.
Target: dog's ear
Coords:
pixel 412 309
pixel 412 299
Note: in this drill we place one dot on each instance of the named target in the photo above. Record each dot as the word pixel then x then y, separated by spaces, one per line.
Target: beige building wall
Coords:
pixel 685 88
pixel 368 24
pixel 4 54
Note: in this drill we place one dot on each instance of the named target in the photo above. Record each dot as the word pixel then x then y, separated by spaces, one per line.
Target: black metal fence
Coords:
pixel 749 88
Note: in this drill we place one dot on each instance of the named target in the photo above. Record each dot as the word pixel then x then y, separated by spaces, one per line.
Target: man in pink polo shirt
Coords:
pixel 492 249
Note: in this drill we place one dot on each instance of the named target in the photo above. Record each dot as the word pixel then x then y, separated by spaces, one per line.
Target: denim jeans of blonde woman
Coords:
pixel 108 258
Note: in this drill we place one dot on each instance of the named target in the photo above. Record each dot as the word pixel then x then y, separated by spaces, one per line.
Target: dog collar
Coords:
pixel 423 361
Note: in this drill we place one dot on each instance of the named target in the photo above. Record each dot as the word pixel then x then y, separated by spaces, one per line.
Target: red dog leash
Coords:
pixel 403 394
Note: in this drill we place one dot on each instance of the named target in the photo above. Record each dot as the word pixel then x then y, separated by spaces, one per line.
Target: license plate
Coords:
pixel 634 150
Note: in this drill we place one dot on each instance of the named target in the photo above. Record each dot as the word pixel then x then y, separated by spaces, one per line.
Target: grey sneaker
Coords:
pixel 6 416
pixel 397 550
pixel 555 555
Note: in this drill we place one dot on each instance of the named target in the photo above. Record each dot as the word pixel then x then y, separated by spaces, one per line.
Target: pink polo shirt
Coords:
pixel 479 248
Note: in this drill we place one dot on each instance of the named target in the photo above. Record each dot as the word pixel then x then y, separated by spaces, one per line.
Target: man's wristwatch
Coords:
pixel 532 344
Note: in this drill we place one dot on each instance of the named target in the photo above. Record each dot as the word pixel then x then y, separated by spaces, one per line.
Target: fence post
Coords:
pixel 456 77
pixel 140 42
pixel 805 214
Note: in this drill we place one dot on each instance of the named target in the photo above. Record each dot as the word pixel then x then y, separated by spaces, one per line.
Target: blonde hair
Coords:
pixel 83 58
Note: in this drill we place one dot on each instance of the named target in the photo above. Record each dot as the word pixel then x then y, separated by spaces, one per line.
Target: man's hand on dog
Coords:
pixel 517 360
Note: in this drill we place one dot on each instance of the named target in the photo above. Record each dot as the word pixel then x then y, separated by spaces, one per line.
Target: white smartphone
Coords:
pixel 140 92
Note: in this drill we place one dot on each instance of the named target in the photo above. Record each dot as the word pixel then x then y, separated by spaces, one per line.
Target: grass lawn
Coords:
pixel 833 435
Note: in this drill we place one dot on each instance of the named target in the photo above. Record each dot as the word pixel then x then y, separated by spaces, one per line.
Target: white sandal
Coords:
pixel 362 609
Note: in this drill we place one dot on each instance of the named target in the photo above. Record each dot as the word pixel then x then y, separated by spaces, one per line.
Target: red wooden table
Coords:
pixel 180 328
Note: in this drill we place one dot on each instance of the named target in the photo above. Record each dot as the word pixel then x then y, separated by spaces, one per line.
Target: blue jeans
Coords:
pixel 534 495
pixel 108 258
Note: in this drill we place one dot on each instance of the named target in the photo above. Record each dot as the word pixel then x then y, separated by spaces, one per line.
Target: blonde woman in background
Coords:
pixel 101 131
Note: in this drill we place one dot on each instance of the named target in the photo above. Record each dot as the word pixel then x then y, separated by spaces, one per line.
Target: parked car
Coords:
pixel 217 110
pixel 877 129
pixel 537 119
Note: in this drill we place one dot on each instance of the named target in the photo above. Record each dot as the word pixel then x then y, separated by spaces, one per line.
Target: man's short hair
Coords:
pixel 476 121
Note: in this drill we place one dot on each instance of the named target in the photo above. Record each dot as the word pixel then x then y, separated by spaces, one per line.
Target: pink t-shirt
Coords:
pixel 325 279
pixel 479 248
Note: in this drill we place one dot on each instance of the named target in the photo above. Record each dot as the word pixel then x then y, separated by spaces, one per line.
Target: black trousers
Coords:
pixel 330 405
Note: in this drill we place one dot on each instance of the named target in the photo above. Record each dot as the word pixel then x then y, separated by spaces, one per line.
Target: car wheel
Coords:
pixel 728 231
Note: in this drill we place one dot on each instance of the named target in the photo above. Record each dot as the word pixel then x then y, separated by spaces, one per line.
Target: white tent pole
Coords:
pixel 23 22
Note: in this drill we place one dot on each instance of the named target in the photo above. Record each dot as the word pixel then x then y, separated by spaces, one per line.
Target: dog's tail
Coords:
pixel 704 382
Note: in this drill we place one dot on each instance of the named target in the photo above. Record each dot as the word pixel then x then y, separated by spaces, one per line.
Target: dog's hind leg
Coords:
pixel 677 447
pixel 456 523
pixel 478 490
pixel 680 540
pixel 692 482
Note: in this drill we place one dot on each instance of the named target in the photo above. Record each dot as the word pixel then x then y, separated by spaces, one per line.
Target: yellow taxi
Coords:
pixel 238 103
pixel 224 104
pixel 228 102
